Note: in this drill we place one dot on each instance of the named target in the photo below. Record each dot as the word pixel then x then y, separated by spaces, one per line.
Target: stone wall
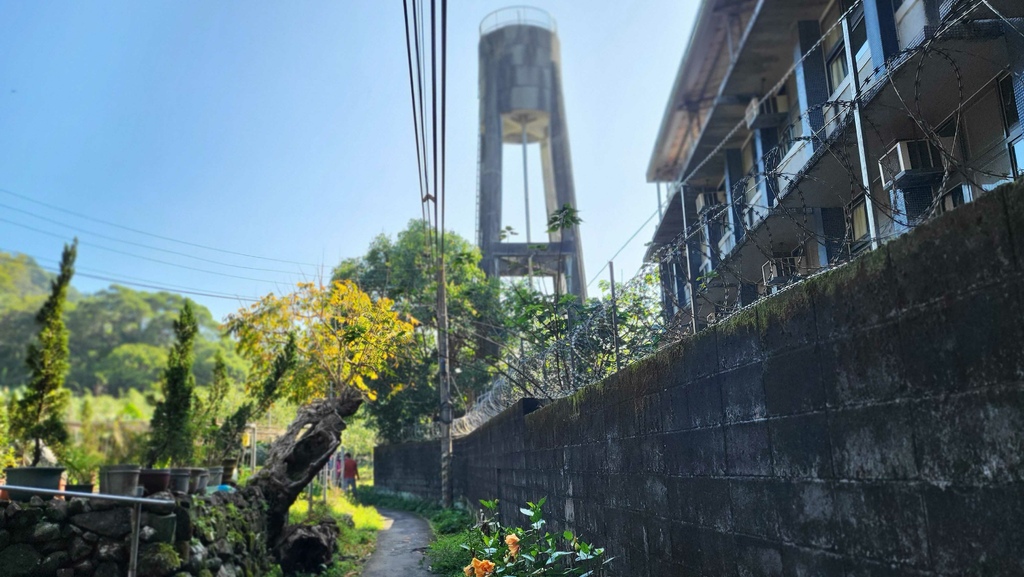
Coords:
pixel 217 535
pixel 413 468
pixel 867 422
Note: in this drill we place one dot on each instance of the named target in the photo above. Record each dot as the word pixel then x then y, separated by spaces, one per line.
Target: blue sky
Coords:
pixel 283 130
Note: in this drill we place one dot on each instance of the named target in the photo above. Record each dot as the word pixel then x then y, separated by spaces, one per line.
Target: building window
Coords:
pixel 838 68
pixel 1011 116
pixel 1017 152
pixel 859 219
pixel 858 31
pixel 793 129
pixel 833 47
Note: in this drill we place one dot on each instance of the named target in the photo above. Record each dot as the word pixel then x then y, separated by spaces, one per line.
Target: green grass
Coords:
pixel 338 505
pixel 447 556
pixel 442 521
pixel 355 544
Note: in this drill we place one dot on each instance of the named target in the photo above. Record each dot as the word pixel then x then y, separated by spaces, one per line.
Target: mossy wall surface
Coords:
pixel 218 535
pixel 869 421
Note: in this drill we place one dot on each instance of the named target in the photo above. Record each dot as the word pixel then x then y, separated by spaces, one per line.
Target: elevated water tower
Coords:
pixel 521 103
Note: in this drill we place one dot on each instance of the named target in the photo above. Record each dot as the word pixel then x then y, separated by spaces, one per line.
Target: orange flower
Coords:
pixel 482 568
pixel 513 544
pixel 468 570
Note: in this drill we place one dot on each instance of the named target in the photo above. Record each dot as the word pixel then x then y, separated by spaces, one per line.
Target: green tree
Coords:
pixel 208 410
pixel 171 430
pixel 131 366
pixel 118 337
pixel 39 414
pixel 226 440
pixel 6 448
pixel 403 270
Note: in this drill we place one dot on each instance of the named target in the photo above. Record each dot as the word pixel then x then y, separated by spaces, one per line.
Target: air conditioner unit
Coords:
pixel 708 200
pixel 771 112
pixel 779 271
pixel 911 163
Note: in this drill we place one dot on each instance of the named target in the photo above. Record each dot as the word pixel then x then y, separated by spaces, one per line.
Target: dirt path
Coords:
pixel 400 547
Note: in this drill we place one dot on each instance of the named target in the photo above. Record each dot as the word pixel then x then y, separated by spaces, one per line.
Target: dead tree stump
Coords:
pixel 297 456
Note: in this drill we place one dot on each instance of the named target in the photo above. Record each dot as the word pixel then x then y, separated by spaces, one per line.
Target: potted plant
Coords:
pixel 82 466
pixel 172 431
pixel 37 418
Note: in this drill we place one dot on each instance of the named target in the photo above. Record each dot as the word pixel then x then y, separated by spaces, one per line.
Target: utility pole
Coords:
pixel 615 318
pixel 444 385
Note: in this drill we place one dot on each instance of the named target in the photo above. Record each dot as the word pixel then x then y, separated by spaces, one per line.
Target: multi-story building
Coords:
pixel 801 132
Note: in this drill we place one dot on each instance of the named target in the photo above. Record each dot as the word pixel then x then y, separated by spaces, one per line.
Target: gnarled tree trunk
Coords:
pixel 297 456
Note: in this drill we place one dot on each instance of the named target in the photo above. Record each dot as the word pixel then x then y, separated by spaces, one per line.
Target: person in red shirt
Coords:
pixel 350 472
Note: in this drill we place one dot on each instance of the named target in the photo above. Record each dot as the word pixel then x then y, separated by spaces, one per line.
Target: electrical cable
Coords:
pixel 150 234
pixel 121 252
pixel 138 244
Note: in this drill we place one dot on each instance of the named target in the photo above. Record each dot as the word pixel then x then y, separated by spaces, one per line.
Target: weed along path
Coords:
pixel 400 547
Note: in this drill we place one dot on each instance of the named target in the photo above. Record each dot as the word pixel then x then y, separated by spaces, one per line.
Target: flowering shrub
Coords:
pixel 531 551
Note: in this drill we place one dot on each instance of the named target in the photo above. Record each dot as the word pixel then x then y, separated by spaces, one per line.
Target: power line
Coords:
pixel 121 252
pixel 623 247
pixel 149 234
pixel 105 276
pixel 138 244
pixel 121 277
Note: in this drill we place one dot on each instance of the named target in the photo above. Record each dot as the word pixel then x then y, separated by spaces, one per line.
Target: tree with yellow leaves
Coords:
pixel 343 339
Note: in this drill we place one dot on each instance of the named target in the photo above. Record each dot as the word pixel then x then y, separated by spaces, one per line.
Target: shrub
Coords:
pixel 517 551
pixel 448 553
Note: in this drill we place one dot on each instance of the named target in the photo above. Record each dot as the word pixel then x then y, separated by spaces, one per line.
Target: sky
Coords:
pixel 234 148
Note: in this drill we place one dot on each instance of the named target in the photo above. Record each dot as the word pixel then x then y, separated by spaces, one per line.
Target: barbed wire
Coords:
pixel 772 207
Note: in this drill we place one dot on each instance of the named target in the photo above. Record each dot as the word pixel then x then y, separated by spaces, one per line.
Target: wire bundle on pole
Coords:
pixel 422 36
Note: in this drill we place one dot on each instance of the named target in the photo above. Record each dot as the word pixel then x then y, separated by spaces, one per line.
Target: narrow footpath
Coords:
pixel 400 547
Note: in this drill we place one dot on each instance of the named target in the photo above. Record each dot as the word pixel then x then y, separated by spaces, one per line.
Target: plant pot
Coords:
pixel 229 469
pixel 40 477
pixel 193 480
pixel 80 488
pixel 180 479
pixel 154 480
pixel 119 479
pixel 216 478
pixel 204 479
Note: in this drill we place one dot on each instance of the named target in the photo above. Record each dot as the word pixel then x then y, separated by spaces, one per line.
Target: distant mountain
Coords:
pixel 22 281
pixel 119 336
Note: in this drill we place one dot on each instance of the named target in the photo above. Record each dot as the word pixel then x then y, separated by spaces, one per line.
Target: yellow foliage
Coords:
pixel 344 337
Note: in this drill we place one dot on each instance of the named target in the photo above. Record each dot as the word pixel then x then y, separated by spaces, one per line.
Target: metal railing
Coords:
pixel 517 16
pixel 138 502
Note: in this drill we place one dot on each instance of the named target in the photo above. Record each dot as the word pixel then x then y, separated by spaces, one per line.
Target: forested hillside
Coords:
pixel 119 336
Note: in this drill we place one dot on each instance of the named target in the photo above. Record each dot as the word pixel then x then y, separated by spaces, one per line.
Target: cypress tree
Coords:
pixel 172 432
pixel 38 417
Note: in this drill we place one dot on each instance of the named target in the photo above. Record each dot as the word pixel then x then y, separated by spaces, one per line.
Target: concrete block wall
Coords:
pixel 413 468
pixel 868 422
